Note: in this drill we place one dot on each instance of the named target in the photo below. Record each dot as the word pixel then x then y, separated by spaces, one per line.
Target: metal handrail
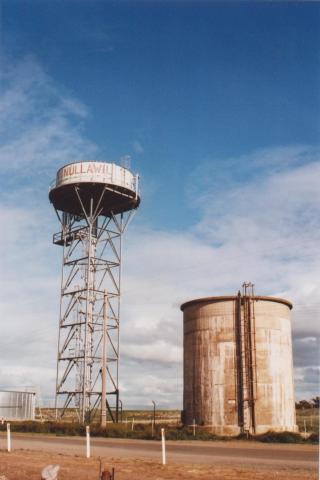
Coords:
pixel 135 184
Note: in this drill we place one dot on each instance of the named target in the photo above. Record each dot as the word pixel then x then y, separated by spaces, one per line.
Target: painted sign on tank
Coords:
pixel 96 172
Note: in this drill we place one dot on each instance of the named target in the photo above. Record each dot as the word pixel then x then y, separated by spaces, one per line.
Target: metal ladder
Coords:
pixel 246 359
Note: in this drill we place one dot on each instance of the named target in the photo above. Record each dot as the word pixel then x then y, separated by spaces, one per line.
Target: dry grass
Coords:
pixel 144 431
pixel 309 418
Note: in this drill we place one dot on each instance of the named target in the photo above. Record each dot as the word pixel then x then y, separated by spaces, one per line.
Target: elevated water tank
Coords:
pixel 238 373
pixel 110 187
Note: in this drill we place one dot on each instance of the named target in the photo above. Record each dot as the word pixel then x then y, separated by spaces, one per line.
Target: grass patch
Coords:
pixel 308 419
pixel 120 430
pixel 144 432
pixel 282 437
pixel 279 437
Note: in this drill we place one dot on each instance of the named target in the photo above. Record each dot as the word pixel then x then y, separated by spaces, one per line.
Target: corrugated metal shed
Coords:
pixel 16 405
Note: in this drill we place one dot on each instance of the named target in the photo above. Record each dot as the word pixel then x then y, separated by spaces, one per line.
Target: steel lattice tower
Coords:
pixel 94 202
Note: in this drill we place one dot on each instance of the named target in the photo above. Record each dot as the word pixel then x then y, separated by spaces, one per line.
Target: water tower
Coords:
pixel 94 202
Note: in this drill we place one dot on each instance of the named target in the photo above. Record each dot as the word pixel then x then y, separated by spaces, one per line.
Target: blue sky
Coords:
pixel 188 81
pixel 217 104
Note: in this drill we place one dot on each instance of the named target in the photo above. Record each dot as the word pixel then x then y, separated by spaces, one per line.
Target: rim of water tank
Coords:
pixel 225 298
pixel 96 161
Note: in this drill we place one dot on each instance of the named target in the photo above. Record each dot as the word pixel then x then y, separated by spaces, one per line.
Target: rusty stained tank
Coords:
pixel 238 373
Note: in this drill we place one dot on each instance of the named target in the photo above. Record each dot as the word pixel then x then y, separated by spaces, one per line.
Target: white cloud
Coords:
pixel 259 222
pixel 41 130
pixel 158 350
pixel 269 229
pixel 265 231
pixel 40 123
pixel 137 147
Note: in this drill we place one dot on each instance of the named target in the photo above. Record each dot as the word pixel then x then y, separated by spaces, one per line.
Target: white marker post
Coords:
pixel 163 442
pixel 194 427
pixel 132 425
pixel 88 440
pixel 8 437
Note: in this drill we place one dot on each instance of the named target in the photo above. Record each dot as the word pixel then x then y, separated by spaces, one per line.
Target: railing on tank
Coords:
pixel 135 184
pixel 52 184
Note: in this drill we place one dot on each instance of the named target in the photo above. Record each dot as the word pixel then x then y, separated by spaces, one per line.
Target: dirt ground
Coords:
pixel 27 465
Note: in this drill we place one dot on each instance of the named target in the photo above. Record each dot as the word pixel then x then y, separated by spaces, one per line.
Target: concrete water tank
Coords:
pixel 238 374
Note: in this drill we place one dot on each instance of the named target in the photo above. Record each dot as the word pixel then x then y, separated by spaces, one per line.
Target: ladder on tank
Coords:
pixel 246 359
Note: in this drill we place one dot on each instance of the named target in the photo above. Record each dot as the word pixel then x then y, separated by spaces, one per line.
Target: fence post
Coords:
pixel 8 437
pixel 163 442
pixel 88 440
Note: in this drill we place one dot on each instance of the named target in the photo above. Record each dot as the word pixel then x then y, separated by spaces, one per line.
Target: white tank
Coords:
pixel 115 188
pixel 16 405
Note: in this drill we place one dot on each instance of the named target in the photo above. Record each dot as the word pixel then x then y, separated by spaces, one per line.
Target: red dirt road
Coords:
pixel 27 465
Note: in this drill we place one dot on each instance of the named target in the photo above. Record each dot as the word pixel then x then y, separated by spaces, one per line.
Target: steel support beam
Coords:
pixel 89 320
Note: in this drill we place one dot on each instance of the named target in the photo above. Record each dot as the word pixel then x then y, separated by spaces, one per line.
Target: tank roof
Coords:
pixel 225 298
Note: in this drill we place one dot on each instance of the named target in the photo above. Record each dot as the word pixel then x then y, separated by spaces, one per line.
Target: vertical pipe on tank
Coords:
pixel 121 230
pixel 88 323
pixel 245 366
pixel 250 367
pixel 63 222
pixel 194 379
pixel 239 367
pixel 104 363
